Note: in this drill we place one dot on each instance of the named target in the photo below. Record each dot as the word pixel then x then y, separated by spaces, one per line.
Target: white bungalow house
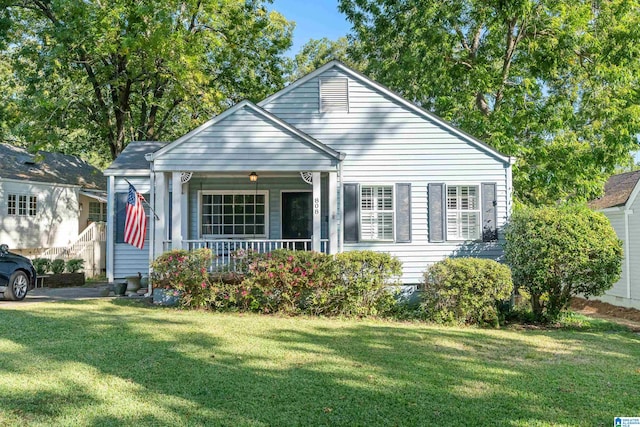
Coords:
pixel 333 162
pixel 52 205
pixel 620 203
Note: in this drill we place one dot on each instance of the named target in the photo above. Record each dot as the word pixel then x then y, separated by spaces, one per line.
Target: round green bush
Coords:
pixel 465 290
pixel 556 253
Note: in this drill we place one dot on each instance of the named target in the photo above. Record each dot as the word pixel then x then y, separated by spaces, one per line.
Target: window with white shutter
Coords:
pixel 334 95
pixel 463 212
pixel 376 212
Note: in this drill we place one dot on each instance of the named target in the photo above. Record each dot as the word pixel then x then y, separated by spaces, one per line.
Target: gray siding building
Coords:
pixel 338 163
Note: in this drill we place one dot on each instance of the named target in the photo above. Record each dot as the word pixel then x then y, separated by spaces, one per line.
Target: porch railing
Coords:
pixel 89 245
pixel 225 250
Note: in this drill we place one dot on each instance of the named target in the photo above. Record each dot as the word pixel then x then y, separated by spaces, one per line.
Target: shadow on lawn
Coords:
pixel 340 373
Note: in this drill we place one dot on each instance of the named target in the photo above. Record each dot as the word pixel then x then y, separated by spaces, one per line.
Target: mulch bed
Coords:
pixel 593 308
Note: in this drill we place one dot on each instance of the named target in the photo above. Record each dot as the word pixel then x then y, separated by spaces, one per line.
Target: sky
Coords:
pixel 314 19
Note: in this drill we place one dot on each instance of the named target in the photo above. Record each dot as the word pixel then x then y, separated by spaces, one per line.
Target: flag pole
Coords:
pixel 155 215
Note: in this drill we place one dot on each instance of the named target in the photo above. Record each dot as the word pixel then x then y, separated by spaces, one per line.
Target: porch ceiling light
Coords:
pixel 253 177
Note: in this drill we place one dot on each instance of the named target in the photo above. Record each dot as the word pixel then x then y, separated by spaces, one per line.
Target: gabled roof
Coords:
pixel 51 168
pixel 391 94
pixel 132 158
pixel 617 190
pixel 261 112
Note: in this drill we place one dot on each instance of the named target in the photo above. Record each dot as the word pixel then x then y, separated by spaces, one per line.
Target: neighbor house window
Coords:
pixel 376 212
pixel 97 212
pixel 463 212
pixel 11 204
pixel 22 205
pixel 33 205
pixel 237 214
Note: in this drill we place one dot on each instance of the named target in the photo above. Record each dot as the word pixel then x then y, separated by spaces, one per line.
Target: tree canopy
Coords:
pixel 317 52
pixel 96 74
pixel 553 83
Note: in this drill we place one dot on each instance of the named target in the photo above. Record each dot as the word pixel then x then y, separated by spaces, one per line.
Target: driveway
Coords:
pixel 58 294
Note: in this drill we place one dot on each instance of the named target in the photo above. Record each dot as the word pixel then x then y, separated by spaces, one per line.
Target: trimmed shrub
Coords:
pixel 74 265
pixel 363 283
pixel 465 290
pixel 42 265
pixel 187 272
pixel 557 253
pixel 57 266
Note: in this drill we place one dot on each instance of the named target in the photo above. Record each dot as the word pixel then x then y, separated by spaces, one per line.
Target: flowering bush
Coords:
pixel 187 272
pixel 350 284
pixel 283 280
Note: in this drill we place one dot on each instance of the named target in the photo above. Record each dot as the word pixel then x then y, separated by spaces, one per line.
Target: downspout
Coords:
pixel 340 210
pixel 111 200
pixel 627 212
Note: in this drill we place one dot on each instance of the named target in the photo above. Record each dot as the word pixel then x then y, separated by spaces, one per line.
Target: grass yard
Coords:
pixel 114 362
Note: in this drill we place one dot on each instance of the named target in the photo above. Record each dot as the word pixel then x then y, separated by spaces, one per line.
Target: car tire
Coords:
pixel 18 285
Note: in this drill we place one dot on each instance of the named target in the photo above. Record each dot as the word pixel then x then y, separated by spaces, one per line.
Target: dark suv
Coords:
pixel 17 275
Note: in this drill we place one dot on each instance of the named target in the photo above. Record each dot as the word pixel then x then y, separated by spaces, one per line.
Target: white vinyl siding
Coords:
pixel 38 215
pixel 245 141
pixel 334 95
pixel 463 212
pixel 233 214
pixel 385 142
pixel 376 213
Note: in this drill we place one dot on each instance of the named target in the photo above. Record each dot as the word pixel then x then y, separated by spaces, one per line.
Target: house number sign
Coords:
pixel 316 206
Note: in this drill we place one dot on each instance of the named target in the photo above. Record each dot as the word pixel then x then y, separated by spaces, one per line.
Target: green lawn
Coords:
pixel 114 362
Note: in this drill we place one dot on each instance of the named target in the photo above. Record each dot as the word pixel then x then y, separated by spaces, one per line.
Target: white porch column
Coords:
pixel 162 199
pixel 317 216
pixel 333 212
pixel 184 203
pixel 111 229
pixel 176 214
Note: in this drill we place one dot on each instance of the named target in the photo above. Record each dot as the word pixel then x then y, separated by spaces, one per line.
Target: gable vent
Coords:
pixel 334 95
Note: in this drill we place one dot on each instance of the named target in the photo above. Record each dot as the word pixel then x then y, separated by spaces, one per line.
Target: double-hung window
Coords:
pixel 233 214
pixel 376 212
pixel 463 212
pixel 22 205
pixel 97 212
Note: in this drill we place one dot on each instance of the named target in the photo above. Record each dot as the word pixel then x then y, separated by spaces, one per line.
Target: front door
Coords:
pixel 297 221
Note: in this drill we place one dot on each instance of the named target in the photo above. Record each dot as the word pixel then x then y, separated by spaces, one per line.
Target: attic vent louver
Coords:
pixel 334 95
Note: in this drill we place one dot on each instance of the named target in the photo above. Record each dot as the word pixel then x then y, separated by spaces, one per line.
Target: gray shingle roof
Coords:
pixel 53 168
pixel 617 190
pixel 132 157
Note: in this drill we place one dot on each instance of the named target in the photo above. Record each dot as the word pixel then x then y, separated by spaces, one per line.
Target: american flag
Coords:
pixel 135 224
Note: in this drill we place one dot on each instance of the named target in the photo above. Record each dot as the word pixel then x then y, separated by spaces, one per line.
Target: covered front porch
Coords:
pixel 245 180
pixel 244 211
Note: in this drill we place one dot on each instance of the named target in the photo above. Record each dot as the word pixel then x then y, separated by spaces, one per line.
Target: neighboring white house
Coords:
pixel 337 163
pixel 47 199
pixel 620 203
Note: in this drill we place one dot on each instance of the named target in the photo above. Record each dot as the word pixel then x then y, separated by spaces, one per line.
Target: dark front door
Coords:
pixel 297 221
